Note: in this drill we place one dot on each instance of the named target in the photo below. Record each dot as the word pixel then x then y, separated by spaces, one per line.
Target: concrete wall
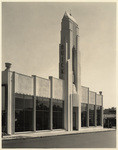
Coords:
pixel 42 87
pixel 58 89
pixel 98 99
pixel 23 84
pixel 92 97
pixel 85 94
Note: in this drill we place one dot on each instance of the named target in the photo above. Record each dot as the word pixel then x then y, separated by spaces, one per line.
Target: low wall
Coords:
pixel 58 89
pixel 49 88
pixel 23 84
pixel 85 94
pixel 92 97
pixel 42 87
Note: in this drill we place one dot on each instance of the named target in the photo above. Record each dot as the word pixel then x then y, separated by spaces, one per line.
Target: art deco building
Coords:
pixel 32 103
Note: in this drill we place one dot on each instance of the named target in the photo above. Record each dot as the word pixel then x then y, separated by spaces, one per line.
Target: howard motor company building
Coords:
pixel 32 103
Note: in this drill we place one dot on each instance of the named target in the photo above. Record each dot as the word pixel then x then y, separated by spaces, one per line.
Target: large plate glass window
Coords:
pixel 58 114
pixel 91 115
pixel 84 115
pixel 23 113
pixel 98 110
pixel 42 114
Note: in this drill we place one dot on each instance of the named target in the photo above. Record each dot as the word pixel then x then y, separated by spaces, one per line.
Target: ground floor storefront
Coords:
pixel 42 114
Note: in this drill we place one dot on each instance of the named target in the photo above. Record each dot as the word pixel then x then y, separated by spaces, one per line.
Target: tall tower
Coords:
pixel 70 69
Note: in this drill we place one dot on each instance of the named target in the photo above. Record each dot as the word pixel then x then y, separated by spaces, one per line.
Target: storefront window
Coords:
pixel 58 114
pixel 84 115
pixel 91 115
pixel 98 110
pixel 23 114
pixel 42 114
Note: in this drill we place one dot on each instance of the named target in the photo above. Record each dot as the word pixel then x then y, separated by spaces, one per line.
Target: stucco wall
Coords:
pixel 91 97
pixel 98 99
pixel 23 84
pixel 85 95
pixel 42 87
pixel 58 89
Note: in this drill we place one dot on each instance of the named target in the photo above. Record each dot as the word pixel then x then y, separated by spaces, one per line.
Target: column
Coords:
pixel 66 86
pixel 51 102
pixel 34 110
pixel 10 100
pixel 78 84
pixel 12 103
pixel 102 112
pixel 95 112
pixel 9 105
pixel 88 110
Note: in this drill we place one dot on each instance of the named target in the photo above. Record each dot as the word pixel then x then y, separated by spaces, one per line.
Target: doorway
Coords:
pixel 75 118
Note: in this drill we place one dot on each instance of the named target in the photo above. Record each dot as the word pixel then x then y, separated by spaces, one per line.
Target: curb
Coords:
pixel 58 134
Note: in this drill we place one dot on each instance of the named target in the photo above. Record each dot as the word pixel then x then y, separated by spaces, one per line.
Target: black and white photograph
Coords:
pixel 58 74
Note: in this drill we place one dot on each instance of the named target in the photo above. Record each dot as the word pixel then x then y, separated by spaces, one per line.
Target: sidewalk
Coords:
pixel 40 134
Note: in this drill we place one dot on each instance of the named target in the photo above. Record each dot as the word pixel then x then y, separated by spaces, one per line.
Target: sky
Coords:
pixel 31 38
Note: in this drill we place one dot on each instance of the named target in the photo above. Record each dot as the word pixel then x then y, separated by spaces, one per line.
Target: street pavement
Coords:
pixel 84 140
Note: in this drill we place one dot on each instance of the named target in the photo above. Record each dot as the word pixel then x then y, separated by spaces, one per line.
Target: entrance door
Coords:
pixel 74 120
pixel 75 117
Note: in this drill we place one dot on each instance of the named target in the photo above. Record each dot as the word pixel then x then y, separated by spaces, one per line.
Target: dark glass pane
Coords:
pixel 19 103
pixel 28 103
pixel 23 114
pixel 58 114
pixel 84 115
pixel 55 105
pixel 4 121
pixel 39 105
pixel 46 121
pixel 91 115
pixel 39 120
pixel 46 104
pixel 75 118
pixel 42 114
pixel 28 120
pixel 19 121
pixel 3 98
pixel 98 110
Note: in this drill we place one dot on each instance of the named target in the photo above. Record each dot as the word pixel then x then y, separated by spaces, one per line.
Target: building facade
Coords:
pixel 32 103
